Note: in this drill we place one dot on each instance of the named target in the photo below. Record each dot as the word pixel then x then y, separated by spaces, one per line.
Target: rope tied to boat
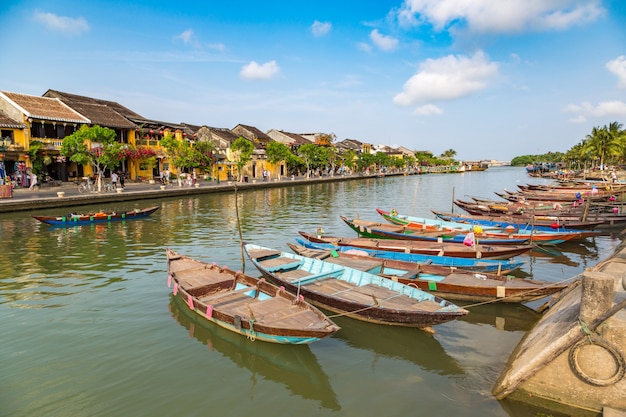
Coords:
pixel 585 329
pixel 251 334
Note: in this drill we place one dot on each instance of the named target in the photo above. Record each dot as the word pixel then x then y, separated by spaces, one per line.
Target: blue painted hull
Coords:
pixel 484 265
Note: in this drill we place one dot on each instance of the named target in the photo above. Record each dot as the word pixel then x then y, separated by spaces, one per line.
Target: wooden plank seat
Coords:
pixel 198 281
pixel 302 277
pixel 279 311
pixel 280 263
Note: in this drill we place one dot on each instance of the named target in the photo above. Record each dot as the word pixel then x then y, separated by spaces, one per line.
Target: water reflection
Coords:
pixel 295 367
pixel 504 317
pixel 413 345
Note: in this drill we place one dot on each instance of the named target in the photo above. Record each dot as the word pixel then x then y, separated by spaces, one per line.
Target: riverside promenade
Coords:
pixel 50 197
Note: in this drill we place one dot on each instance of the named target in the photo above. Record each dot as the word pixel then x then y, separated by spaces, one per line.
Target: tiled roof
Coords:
pixel 8 122
pixel 296 138
pixel 67 98
pixel 45 108
pixel 259 134
pixel 225 134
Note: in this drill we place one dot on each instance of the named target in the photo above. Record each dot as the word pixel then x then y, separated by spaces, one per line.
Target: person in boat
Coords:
pixel 394 213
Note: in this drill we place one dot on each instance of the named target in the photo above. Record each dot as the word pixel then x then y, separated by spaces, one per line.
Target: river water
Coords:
pixel 89 327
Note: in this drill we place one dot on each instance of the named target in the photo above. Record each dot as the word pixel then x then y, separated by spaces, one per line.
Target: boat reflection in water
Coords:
pixel 295 367
pixel 503 316
pixel 413 345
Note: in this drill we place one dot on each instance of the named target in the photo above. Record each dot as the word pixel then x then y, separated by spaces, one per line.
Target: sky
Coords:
pixel 489 79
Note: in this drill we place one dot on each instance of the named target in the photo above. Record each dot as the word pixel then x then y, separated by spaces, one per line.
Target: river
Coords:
pixel 89 327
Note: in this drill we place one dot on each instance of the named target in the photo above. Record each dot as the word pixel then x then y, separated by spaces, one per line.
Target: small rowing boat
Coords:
pixel 245 305
pixel 74 219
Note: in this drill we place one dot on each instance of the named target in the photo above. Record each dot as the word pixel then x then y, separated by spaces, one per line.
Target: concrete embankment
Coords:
pixel 49 197
pixel 574 358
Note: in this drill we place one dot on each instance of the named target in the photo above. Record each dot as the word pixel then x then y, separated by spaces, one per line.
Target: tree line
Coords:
pixel 185 156
pixel 603 146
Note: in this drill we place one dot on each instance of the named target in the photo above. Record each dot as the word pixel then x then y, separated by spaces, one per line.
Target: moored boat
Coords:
pixel 377 230
pixel 544 237
pixel 426 248
pixel 245 305
pixel 446 282
pixel 75 219
pixel 497 266
pixel 353 293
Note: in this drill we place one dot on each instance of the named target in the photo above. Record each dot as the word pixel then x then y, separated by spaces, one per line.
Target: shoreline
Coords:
pixel 24 199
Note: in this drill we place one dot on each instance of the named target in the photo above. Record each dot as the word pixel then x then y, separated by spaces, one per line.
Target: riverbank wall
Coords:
pixel 574 359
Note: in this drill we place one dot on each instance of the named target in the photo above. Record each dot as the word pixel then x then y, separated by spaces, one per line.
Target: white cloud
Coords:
pixel 254 71
pixel 69 25
pixel 618 67
pixel 364 46
pixel 578 119
pixel 320 28
pixel 428 110
pixel 447 78
pixel 500 16
pixel 186 36
pixel 386 43
pixel 602 109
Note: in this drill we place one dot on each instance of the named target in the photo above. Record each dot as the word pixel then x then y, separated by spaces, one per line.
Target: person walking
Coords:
pixel 33 181
pixel 114 178
pixel 122 178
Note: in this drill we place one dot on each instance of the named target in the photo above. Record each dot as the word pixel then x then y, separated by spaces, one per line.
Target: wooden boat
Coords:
pixel 74 219
pixel 585 229
pixel 426 248
pixel 498 266
pixel 377 230
pixel 245 305
pixel 445 282
pixel 351 292
pixel 543 237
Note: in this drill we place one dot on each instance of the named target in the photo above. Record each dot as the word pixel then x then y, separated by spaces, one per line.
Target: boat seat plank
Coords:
pixel 360 264
pixel 278 311
pixel 263 253
pixel 198 280
pixel 280 263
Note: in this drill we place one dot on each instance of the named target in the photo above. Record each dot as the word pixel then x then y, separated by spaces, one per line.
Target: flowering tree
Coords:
pixel 96 146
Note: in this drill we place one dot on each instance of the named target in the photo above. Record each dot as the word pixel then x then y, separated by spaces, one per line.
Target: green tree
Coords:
pixel 202 157
pixel 348 159
pixel 178 152
pixel 242 149
pixel 277 152
pixel 36 157
pixel 365 161
pixel 449 154
pixel 96 146
pixel 311 155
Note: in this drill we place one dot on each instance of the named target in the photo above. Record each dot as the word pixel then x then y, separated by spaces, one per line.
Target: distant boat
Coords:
pixel 74 219
pixel 352 293
pixel 446 282
pixel 245 305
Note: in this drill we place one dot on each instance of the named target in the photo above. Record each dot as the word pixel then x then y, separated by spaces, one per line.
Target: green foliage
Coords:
pixel 243 150
pixel 277 152
pixel 36 157
pixel 96 146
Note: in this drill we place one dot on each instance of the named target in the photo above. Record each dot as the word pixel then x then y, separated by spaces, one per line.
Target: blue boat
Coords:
pixel 471 264
pixel 74 219
pixel 378 230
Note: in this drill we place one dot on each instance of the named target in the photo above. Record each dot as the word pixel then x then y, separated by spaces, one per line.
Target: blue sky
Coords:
pixel 491 79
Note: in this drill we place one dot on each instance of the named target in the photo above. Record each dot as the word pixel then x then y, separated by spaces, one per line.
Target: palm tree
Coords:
pixel 602 144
